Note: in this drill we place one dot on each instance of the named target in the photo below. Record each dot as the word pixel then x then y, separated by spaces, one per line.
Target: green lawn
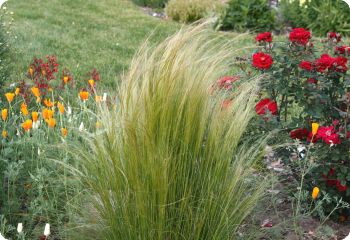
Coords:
pixel 83 34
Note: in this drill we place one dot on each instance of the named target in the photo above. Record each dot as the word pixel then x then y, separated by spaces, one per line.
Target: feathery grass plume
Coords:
pixel 169 164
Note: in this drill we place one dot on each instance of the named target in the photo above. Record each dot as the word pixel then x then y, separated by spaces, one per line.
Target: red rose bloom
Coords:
pixel 325 62
pixel 306 65
pixel 328 135
pixel 262 61
pixel 341 188
pixel 226 82
pixel 300 133
pixel 264 37
pixel 266 104
pixel 340 64
pixel 335 37
pixel 300 36
pixel 340 49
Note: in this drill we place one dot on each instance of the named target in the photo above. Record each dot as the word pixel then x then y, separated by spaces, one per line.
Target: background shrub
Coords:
pixel 320 16
pixel 187 11
pixel 151 3
pixel 248 14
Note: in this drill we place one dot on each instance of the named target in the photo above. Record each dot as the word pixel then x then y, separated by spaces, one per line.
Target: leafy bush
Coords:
pixel 187 11
pixel 301 88
pixel 151 3
pixel 322 16
pixel 248 14
pixel 168 165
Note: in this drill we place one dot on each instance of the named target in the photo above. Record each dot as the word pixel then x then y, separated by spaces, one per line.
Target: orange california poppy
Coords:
pixel 64 132
pixel 51 122
pixel 4 114
pixel 84 95
pixel 315 192
pixel 36 92
pixel 27 125
pixel 47 113
pixel 60 107
pixel 4 134
pixel 17 91
pixel 35 116
pixel 9 96
pixel 24 109
pixel 48 102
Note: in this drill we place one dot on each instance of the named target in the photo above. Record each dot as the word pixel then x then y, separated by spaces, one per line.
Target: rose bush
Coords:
pixel 308 82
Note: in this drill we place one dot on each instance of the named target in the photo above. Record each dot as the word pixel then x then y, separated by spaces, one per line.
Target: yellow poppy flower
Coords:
pixel 60 107
pixel 314 127
pixel 36 92
pixel 24 109
pixel 17 91
pixel 35 116
pixel 4 134
pixel 64 132
pixel 9 96
pixel 51 122
pixel 27 125
pixel 315 192
pixel 4 114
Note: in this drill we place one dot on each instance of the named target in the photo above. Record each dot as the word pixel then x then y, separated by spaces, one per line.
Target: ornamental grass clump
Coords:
pixel 169 163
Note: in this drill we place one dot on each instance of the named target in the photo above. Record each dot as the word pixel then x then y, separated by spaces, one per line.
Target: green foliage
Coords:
pixel 151 3
pixel 320 16
pixel 168 164
pixel 248 15
pixel 189 11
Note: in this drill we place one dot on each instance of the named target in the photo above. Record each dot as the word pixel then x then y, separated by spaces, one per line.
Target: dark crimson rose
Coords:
pixel 340 64
pixel 312 81
pixel 300 133
pixel 300 36
pixel 264 37
pixel 328 135
pixel 262 61
pixel 341 188
pixel 306 65
pixel 226 82
pixel 340 49
pixel 335 37
pixel 266 104
pixel 325 62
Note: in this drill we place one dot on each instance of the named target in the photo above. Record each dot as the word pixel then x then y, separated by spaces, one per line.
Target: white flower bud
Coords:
pixel 19 227
pixel 47 230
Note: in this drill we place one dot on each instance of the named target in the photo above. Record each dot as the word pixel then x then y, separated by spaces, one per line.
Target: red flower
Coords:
pixel 341 188
pixel 266 104
pixel 262 60
pixel 340 64
pixel 306 65
pixel 226 82
pixel 312 81
pixel 300 133
pixel 340 49
pixel 328 135
pixel 325 62
pixel 300 36
pixel 335 37
pixel 264 37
